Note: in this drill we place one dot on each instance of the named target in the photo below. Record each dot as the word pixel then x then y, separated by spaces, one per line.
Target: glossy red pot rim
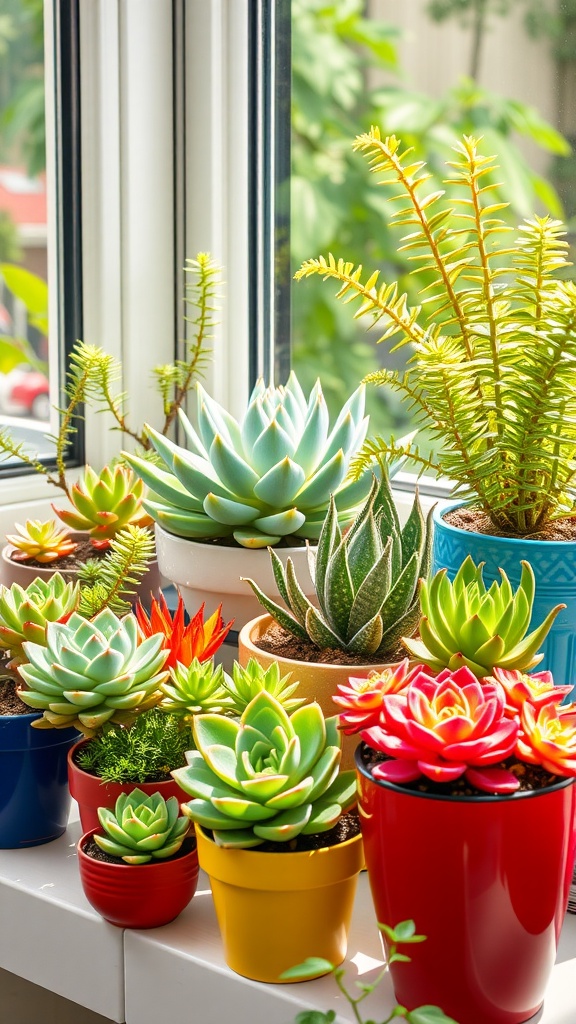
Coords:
pixel 486 798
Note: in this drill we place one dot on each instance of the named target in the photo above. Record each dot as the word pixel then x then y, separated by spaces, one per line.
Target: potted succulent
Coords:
pixel 102 504
pixel 34 796
pixel 264 481
pixel 283 857
pixel 479 773
pixel 365 586
pixel 138 868
pixel 492 371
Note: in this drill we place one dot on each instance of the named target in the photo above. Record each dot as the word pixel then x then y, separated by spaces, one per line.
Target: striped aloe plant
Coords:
pixel 366 581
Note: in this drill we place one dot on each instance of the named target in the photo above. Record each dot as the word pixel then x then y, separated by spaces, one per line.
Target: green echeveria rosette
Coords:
pixel 464 623
pixel 24 614
pixel 142 828
pixel 248 680
pixel 195 689
pixel 268 477
pixel 269 776
pixel 93 672
pixel 366 580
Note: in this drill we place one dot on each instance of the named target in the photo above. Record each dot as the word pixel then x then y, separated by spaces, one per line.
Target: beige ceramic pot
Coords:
pixel 214 574
pixel 318 681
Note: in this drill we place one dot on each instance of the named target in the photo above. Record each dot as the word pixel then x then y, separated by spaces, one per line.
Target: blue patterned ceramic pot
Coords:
pixel 554 565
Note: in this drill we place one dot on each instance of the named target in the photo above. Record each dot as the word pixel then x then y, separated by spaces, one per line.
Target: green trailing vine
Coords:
pixel 494 338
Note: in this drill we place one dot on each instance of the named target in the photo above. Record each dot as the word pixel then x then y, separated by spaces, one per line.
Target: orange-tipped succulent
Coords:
pixel 198 639
pixel 548 737
pixel 44 542
pixel 537 688
pixel 105 503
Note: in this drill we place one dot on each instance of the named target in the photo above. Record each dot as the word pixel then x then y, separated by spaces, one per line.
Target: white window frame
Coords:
pixel 134 166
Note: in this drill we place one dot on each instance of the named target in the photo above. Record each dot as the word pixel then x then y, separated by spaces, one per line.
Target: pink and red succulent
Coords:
pixel 454 725
pixel 198 639
pixel 362 696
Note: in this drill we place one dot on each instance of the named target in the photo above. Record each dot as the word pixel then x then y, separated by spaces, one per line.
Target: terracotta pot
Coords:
pixel 91 793
pixel 138 895
pixel 486 879
pixel 317 681
pixel 23 574
pixel 34 794
pixel 276 909
pixel 212 573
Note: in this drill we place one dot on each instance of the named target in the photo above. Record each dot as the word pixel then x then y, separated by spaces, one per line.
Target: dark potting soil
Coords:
pixel 281 644
pixel 10 703
pixel 476 521
pixel 91 849
pixel 70 563
pixel 530 776
pixel 345 828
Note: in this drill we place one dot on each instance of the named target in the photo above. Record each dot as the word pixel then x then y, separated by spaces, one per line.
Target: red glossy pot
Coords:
pixel 91 793
pixel 486 879
pixel 139 895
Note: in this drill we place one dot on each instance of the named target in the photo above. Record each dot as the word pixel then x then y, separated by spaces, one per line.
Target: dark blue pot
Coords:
pixel 554 565
pixel 34 794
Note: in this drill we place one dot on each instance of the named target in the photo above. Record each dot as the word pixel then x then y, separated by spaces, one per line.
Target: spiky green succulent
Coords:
pixel 248 680
pixel 105 503
pixel 194 689
pixel 24 614
pixel 142 828
pixel 268 776
pixel 366 581
pixel 265 478
pixel 463 623
pixel 93 672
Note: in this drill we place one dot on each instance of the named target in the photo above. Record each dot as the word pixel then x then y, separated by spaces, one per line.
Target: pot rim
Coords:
pixel 209 542
pixel 150 864
pixel 439 520
pixel 487 798
pixel 295 854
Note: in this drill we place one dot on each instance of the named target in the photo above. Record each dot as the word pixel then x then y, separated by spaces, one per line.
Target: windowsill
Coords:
pixel 53 938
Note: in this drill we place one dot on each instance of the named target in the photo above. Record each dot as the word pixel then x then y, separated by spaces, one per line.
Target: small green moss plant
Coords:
pixel 403 934
pixel 146 752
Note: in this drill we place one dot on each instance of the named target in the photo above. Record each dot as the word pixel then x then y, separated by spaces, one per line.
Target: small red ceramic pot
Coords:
pixel 486 879
pixel 91 793
pixel 139 895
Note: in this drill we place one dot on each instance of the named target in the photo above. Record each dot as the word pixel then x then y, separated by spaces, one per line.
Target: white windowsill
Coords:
pixel 53 938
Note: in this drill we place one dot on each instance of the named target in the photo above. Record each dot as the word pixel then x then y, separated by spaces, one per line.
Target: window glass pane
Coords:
pixel 428 72
pixel 24 371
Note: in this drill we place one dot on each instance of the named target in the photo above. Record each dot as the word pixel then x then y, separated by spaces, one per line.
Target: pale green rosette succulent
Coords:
pixel 142 828
pixel 24 614
pixel 267 477
pixel 366 580
pixel 195 689
pixel 464 623
pixel 93 672
pixel 269 776
pixel 246 681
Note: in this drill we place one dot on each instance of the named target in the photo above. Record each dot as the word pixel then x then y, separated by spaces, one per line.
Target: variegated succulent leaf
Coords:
pixel 104 503
pixel 40 540
pixel 366 579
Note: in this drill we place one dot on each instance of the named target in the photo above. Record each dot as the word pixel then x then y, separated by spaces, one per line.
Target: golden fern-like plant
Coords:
pixel 493 370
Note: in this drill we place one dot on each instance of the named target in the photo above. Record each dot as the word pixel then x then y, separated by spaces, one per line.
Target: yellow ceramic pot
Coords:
pixel 317 681
pixel 276 909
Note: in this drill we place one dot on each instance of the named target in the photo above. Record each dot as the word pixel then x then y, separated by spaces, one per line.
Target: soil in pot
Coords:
pixel 92 850
pixel 282 644
pixel 474 520
pixel 10 703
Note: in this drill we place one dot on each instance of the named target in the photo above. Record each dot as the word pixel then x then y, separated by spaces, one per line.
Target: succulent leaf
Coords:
pixel 280 461
pixel 267 776
pixel 142 828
